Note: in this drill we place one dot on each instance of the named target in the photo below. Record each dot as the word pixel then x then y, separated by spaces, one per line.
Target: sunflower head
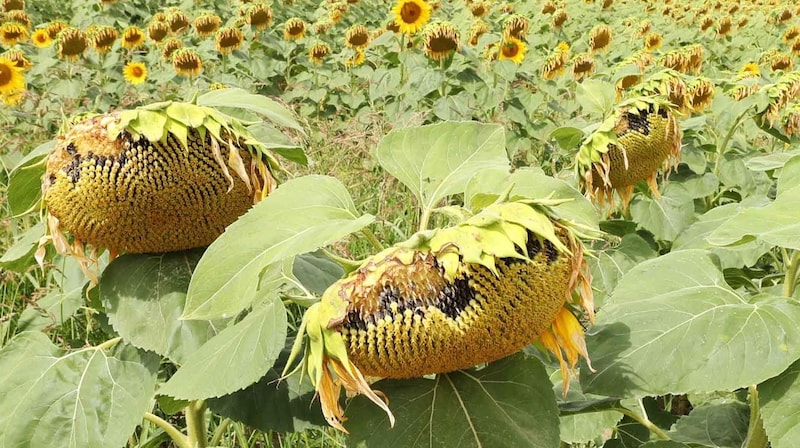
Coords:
pixel 16 56
pixel 357 59
pixel 55 27
pixel 411 15
pixel 294 29
pixel 157 30
pixel 724 27
pixel 168 48
pixel 13 5
pixel 135 72
pixel 441 40
pixel 560 17
pixel 706 23
pixel 791 33
pixel 479 9
pixel 187 62
pixel 207 23
pixel 357 36
pixel 12 81
pixel 750 70
pixel 177 20
pixel 582 66
pixel 322 26
pixel 258 15
pixel 556 62
pixel 516 26
pixel 781 61
pixel 41 38
pixel 791 120
pixel 548 7
pixel 653 41
pixel 132 37
pixel 644 28
pixel 512 49
pixel 72 42
pixel 478 29
pixel 12 32
pixel 228 39
pixel 318 52
pixel 103 38
pixel 701 94
pixel 600 38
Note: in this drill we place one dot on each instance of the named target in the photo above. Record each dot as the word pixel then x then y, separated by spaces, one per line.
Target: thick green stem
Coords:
pixel 180 440
pixel 109 343
pixel 425 218
pixel 644 421
pixel 372 239
pixel 756 436
pixel 790 279
pixel 220 431
pixel 347 264
pixel 725 140
pixel 196 424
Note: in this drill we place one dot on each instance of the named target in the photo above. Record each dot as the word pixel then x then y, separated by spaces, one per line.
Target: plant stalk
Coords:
pixel 725 140
pixel 372 239
pixel 644 421
pixel 180 440
pixel 220 431
pixel 196 424
pixel 756 436
pixel 790 279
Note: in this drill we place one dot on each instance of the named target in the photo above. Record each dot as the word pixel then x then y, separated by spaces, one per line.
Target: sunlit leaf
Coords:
pixel 716 425
pixel 610 264
pixel 242 99
pixel 780 406
pixel 19 256
pixel 60 303
pixel 665 218
pixel 596 97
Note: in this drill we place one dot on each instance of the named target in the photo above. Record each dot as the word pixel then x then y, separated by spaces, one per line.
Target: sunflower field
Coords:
pixel 403 223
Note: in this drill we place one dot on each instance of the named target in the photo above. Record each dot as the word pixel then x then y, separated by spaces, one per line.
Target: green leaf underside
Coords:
pixel 242 99
pixel 583 428
pixel 300 216
pixel 60 303
pixel 144 295
pixel 780 407
pixel 610 264
pixel 677 310
pixel 234 359
pixel 777 224
pixel 716 425
pixel 19 256
pixel 316 272
pixel 85 399
pixel 509 403
pixel 438 160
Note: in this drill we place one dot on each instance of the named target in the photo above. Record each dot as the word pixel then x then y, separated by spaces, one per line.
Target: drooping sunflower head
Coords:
pixel 653 41
pixel 357 36
pixel 512 49
pixel 357 59
pixel 207 23
pixel 795 49
pixel 631 145
pixel 724 27
pixel 478 29
pixel 294 29
pixel 187 62
pixel 781 61
pixel 556 62
pixel 695 56
pixel 560 17
pixel 479 9
pixel 13 5
pixel 706 23
pixel 71 42
pixel 548 7
pixel 16 56
pixel 55 27
pixel 102 38
pixel 791 120
pixel 19 16
pixel 783 92
pixel 600 38
pixel 258 15
pixel 132 37
pixel 169 47
pixel 177 20
pixel 157 30
pixel 441 40
pixel 135 72
pixel 12 32
pixel 411 15
pixel 644 28
pixel 517 26
pixel 701 94
pixel 228 39
pixel 318 52
pixel 582 66
pixel 322 26
pixel 447 300
pixel 677 60
pixel 607 4
pixel 791 33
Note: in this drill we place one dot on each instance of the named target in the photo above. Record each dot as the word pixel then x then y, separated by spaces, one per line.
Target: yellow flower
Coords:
pixel 12 82
pixel 41 38
pixel 187 62
pixel 11 33
pixel 512 49
pixel 411 15
pixel 562 47
pixel 357 36
pixel 294 29
pixel 135 72
pixel 357 59
pixel 750 69
pixel 441 40
pixel 132 37
pixel 653 41
pixel 318 52
pixel 228 39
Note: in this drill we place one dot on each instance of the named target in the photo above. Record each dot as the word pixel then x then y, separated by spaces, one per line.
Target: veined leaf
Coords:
pixel 89 398
pixel 780 406
pixel 510 403
pixel 597 97
pixel 60 303
pixel 665 218
pixel 242 99
pixel 718 425
pixel 677 311
pixel 300 216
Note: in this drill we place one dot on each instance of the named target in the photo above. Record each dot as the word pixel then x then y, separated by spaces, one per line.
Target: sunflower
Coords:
pixel 317 53
pixel 20 17
pixel 18 58
pixel 706 23
pixel 259 15
pixel 516 26
pixel 478 29
pixel 13 5
pixel 103 38
pixel 644 27
pixel 187 62
pixel 791 120
pixel 11 33
pixel 41 38
pixel 132 37
pixel 781 61
pixel 71 42
pixel 177 20
pixel 582 66
pixel 750 70
pixel 228 39
pixel 724 27
pixel 785 15
pixel 653 41
pixel 12 82
pixel 796 47
pixel 168 48
pixel 411 15
pixel 479 9
pixel 207 24
pixel 559 17
pixel 441 40
pixel 548 8
pixel 512 49
pixel 322 26
pixel 357 59
pixel 357 36
pixel 294 29
pixel 743 22
pixel 791 34
pixel 135 72
pixel 55 27
pixel 607 3
pixel 600 38
pixel 157 30
pixel 694 61
pixel 701 93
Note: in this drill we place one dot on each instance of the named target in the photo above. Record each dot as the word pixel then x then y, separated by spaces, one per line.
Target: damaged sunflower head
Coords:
pixel 449 299
pixel 159 178
pixel 639 137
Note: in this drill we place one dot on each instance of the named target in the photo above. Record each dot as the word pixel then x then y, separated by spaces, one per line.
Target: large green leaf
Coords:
pixel 595 96
pixel 790 175
pixel 777 224
pixel 60 303
pixel 25 182
pixel 316 271
pixel 780 406
pixel 718 425
pixel 300 216
pixel 509 403
pixel 234 359
pixel 610 264
pixel 665 218
pixel 677 311
pixel 439 160
pixel 144 294
pixel 242 99
pixel 19 256
pixel 90 398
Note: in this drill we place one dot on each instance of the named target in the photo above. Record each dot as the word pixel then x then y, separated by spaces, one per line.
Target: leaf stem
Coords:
pixel 725 140
pixel 180 440
pixel 756 436
pixel 425 218
pixel 644 421
pixel 372 239
pixel 196 424
pixel 790 279
pixel 347 264
pixel 108 344
pixel 220 431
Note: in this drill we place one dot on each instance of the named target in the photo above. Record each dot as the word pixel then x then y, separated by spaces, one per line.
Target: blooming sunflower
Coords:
pixel 317 53
pixel 41 38
pixel 132 37
pixel 11 33
pixel 294 29
pixel 187 62
pixel 71 42
pixel 750 70
pixel 411 15
pixel 512 49
pixel 135 72
pixel 357 59
pixel 357 36
pixel 12 82
pixel 228 39
pixel 441 40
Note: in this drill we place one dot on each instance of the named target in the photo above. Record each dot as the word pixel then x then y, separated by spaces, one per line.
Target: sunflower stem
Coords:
pixel 181 441
pixel 644 421
pixel 367 232
pixel 196 424
pixel 790 279
pixel 756 435
pixel 725 140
